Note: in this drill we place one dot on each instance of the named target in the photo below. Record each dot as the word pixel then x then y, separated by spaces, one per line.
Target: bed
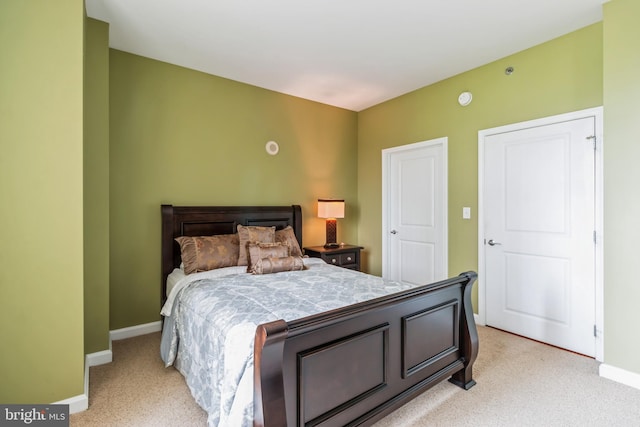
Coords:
pixel 345 365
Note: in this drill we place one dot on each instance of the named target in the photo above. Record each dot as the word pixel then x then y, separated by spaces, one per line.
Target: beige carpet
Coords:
pixel 520 383
pixel 136 390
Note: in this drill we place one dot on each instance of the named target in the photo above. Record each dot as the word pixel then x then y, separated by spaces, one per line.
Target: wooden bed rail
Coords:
pixel 356 364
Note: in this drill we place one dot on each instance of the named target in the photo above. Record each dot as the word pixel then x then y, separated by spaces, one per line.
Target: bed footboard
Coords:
pixel 354 365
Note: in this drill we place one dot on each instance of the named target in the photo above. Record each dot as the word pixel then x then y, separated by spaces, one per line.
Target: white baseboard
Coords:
pixel 100 357
pixel 134 331
pixel 620 375
pixel 476 318
pixel 77 403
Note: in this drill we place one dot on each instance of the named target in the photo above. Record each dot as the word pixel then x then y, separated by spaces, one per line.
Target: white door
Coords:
pixel 539 228
pixel 415 212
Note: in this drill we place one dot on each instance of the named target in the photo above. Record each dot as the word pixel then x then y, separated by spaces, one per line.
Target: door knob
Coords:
pixel 491 242
pixel 393 232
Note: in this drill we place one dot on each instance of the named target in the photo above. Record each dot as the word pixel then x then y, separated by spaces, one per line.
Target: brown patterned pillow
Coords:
pixel 248 234
pixel 206 253
pixel 287 235
pixel 256 251
pixel 276 265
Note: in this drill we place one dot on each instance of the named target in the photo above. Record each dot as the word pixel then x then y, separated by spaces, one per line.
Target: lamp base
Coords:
pixel 331 245
pixel 331 234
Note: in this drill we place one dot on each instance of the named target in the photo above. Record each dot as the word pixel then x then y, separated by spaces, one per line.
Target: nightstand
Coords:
pixel 347 256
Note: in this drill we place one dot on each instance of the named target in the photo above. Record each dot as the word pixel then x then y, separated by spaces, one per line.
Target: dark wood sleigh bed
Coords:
pixel 349 366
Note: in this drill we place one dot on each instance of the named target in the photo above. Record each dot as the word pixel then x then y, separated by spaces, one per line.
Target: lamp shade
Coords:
pixel 330 208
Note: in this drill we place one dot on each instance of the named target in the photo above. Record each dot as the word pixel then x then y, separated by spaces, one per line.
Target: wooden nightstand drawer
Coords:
pixel 347 256
pixel 332 259
pixel 341 260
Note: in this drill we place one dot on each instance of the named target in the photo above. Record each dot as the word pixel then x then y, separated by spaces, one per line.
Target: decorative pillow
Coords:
pixel 256 251
pixel 276 265
pixel 286 235
pixel 248 234
pixel 206 253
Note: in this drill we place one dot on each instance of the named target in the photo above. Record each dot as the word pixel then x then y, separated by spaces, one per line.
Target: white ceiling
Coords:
pixel 347 53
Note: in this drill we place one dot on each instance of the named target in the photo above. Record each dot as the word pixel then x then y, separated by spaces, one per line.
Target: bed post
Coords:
pixel 297 222
pixel 166 264
pixel 468 337
pixel 268 390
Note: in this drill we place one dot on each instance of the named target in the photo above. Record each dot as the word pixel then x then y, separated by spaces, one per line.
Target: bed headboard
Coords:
pixel 209 220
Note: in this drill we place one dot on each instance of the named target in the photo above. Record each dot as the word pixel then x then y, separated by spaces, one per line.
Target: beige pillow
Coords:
pixel 257 251
pixel 206 253
pixel 248 234
pixel 286 235
pixel 276 265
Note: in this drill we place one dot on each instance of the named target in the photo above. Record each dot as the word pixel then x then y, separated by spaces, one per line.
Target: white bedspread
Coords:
pixel 212 317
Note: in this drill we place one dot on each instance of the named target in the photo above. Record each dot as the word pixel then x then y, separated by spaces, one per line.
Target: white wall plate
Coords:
pixel 272 148
pixel 465 98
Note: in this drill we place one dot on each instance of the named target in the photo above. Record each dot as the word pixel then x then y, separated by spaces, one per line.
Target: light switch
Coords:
pixel 466 213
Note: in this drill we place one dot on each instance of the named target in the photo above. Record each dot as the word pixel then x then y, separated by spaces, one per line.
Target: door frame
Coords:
pixel 597 114
pixel 386 166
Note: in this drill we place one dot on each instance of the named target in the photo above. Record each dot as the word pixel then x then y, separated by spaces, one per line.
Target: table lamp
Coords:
pixel 331 209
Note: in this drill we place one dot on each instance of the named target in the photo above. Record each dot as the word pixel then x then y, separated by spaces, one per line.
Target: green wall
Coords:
pixel 96 187
pixel 622 175
pixel 559 76
pixel 41 258
pixel 183 137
